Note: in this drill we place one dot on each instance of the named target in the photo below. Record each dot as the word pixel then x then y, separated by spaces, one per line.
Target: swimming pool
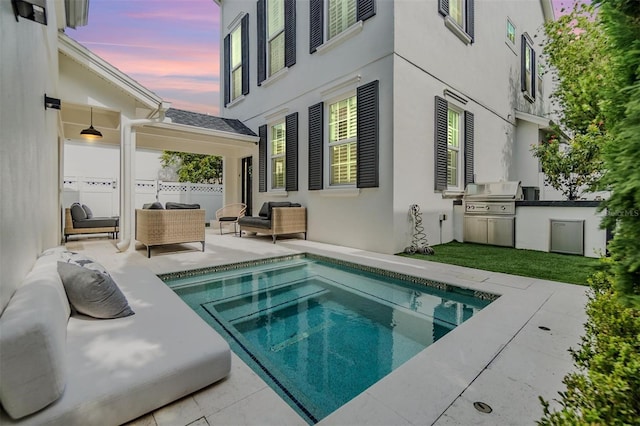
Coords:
pixel 321 331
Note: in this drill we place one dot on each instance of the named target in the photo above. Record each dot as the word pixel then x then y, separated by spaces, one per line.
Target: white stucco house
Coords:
pixel 365 107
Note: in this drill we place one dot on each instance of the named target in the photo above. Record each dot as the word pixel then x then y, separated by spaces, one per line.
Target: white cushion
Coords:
pixel 32 342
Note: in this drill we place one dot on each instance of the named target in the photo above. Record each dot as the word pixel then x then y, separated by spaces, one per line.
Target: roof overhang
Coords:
pixel 541 122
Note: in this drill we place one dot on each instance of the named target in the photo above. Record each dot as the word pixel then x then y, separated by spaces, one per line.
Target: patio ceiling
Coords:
pixel 159 136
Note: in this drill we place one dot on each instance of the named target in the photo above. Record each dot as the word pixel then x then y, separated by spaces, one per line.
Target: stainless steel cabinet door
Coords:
pixel 501 231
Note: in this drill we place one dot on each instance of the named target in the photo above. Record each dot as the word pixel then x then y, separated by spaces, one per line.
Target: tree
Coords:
pixel 576 47
pixel 621 20
pixel 196 168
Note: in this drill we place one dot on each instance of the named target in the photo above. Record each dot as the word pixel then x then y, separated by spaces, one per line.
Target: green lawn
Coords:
pixel 528 263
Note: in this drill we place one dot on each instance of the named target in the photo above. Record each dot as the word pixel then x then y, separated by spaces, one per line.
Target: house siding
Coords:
pixel 415 57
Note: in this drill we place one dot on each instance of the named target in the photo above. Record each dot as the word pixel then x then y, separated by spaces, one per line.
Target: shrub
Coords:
pixel 605 389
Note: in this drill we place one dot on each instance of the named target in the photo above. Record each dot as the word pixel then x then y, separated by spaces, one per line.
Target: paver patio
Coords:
pixel 500 356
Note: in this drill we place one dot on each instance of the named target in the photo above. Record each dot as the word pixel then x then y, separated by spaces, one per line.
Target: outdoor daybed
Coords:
pixel 69 369
pixel 156 226
pixel 276 218
pixel 78 219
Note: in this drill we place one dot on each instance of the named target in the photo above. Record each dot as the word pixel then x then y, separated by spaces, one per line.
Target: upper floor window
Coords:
pixel 511 33
pixel 275 35
pixel 459 17
pixel 343 131
pixel 236 62
pixel 341 15
pixel 528 74
pixel 277 155
pixel 329 18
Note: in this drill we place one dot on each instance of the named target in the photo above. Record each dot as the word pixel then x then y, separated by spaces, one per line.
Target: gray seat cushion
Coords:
pixel 96 222
pixel 258 222
pixel 156 205
pixel 173 206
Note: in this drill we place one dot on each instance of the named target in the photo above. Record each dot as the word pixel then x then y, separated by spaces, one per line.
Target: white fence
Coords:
pixel 103 197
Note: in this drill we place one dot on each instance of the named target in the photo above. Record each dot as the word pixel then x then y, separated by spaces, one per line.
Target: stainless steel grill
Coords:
pixel 490 210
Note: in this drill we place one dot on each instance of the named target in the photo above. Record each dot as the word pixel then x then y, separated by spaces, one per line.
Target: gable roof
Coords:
pixel 206 121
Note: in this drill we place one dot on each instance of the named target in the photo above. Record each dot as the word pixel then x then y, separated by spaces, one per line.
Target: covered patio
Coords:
pixel 130 116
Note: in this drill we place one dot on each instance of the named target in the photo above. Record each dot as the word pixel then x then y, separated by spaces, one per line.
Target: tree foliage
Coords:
pixel 576 47
pixel 195 168
pixel 621 20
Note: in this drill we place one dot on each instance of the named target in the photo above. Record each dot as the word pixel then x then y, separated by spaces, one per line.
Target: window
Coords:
pixel 511 32
pixel 454 146
pixel 349 154
pixel 341 14
pixel 236 62
pixel 529 72
pixel 343 128
pixel 277 154
pixel 459 17
pixel 275 35
pixel 329 18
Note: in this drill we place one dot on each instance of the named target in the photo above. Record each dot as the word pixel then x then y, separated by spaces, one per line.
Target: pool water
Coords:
pixel 320 333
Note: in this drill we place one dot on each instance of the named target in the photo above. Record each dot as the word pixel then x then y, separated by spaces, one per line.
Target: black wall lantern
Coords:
pixel 52 103
pixel 34 10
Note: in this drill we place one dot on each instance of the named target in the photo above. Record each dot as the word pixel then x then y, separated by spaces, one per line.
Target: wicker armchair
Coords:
pixel 157 227
pixel 230 214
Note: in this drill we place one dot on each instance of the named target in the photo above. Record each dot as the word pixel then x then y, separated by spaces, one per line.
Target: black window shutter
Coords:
pixel 262 41
pixel 443 7
pixel 368 131
pixel 316 140
pixel 291 152
pixel 468 148
pixel 316 24
pixel 366 9
pixel 470 24
pixel 534 74
pixel 227 69
pixel 244 31
pixel 440 155
pixel 262 160
pixel 523 63
pixel 289 33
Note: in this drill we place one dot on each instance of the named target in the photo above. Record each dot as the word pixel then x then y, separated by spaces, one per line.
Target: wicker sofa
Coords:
pixel 93 225
pixel 276 218
pixel 158 227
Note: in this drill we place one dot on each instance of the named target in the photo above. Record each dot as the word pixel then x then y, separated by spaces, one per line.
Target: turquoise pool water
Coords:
pixel 321 333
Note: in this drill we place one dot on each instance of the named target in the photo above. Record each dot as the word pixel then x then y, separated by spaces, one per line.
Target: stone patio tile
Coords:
pixel 181 412
pixel 364 410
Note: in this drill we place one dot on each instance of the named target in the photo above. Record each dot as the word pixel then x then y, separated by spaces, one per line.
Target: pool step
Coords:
pixel 301 336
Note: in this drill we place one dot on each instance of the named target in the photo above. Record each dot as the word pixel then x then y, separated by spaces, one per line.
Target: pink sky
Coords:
pixel 169 46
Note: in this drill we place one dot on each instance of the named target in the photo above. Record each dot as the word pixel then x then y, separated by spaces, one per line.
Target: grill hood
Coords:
pixel 494 191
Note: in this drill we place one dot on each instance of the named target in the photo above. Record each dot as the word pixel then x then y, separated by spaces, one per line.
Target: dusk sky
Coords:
pixel 170 47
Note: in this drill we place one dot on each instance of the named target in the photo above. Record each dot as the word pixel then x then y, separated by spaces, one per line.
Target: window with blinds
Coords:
pixel 236 63
pixel 528 72
pixel 275 35
pixel 343 132
pixel 456 11
pixel 453 147
pixel 342 14
pixel 277 154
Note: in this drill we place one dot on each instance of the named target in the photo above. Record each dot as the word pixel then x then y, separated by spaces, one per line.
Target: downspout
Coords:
pixel 128 175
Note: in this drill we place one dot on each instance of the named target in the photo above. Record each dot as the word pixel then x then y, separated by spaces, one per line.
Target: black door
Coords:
pixel 246 183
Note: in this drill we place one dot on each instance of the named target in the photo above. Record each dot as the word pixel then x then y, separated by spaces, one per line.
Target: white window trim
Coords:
pixel 236 101
pixel 460 149
pixel 450 23
pixel 270 156
pixel 268 41
pixel 275 77
pixel 339 192
pixel 340 38
pixel 325 148
pixel 534 73
pixel 231 68
pixel 508 42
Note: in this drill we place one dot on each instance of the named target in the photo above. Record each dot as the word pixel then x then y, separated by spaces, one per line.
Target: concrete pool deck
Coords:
pixel 500 356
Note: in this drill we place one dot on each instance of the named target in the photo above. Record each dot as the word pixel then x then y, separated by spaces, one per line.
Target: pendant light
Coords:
pixel 91 133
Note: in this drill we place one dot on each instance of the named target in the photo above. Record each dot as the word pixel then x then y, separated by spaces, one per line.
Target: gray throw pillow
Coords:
pixel 88 211
pixel 93 293
pixel 83 261
pixel 156 205
pixel 77 212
